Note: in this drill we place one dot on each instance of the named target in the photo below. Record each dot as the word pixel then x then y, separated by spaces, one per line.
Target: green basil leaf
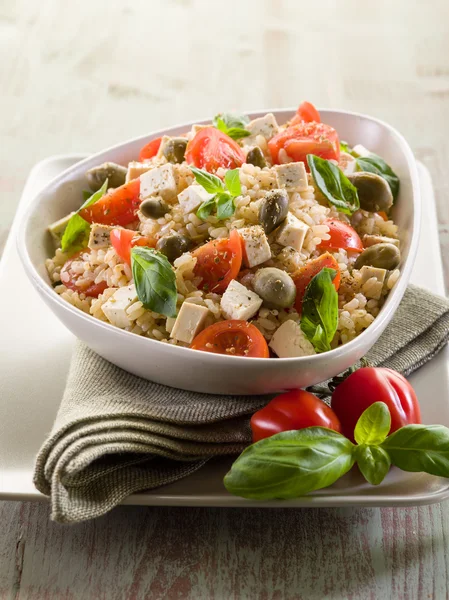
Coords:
pixel 290 464
pixel 211 183
pixel 373 462
pixel 155 280
pixel 232 182
pixel 375 164
pixel 373 425
pixel 206 208
pixel 232 125
pixel 333 184
pixel 319 318
pixel 344 147
pixel 420 448
pixel 236 133
pixel 225 206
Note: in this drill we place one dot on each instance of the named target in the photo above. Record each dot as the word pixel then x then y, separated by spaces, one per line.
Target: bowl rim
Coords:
pixel 384 316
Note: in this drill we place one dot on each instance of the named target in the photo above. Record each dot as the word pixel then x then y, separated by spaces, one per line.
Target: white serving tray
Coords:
pixel 35 352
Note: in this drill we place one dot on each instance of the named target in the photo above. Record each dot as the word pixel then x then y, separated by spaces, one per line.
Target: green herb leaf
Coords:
pixel 344 147
pixel 211 183
pixel 232 182
pixel 206 208
pixel 420 448
pixel 319 318
pixel 373 425
pixel 290 464
pixel 232 125
pixel 373 462
pixel 376 164
pixel 333 184
pixel 225 206
pixel 155 280
pixel 224 193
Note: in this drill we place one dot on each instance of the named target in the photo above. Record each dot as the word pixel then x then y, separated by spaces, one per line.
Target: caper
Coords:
pixel 382 256
pixel 273 210
pixel 115 174
pixel 374 192
pixel 154 208
pixel 173 246
pixel 255 157
pixel 275 287
pixel 175 149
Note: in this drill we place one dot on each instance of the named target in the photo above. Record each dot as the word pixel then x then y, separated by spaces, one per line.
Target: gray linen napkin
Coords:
pixel 116 433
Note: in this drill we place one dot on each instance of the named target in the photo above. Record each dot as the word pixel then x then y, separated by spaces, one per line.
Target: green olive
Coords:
pixel 381 256
pixel 255 157
pixel 273 210
pixel 175 149
pixel 173 246
pixel 374 192
pixel 154 208
pixel 275 287
pixel 115 174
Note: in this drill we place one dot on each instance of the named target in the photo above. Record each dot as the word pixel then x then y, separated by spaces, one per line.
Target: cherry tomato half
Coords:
pixel 69 277
pixel 302 277
pixel 150 149
pixel 306 138
pixel 124 239
pixel 117 207
pixel 233 338
pixel 296 409
pixel 306 113
pixel 218 262
pixel 211 149
pixel 343 236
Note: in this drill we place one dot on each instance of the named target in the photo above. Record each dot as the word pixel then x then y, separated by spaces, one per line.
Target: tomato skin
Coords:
pixel 69 279
pixel 218 262
pixel 383 214
pixel 296 409
pixel 117 207
pixel 302 277
pixel 306 138
pixel 343 236
pixel 211 149
pixel 124 239
pixel 373 384
pixel 306 113
pixel 232 338
pixel 150 150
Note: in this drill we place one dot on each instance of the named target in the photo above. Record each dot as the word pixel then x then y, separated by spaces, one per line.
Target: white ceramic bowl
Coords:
pixel 202 371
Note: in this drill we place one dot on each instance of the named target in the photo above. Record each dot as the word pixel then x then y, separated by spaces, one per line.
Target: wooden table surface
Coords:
pixel 79 76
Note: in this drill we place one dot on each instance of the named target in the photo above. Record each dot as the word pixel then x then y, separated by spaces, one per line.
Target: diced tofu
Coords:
pixel 189 322
pixel 115 308
pixel 192 197
pixel 58 227
pixel 347 163
pixel 361 150
pixel 159 180
pixel 238 302
pixel 99 236
pixel 292 232
pixel 290 259
pixel 255 244
pixel 292 176
pixel 169 324
pixel 370 240
pixel 266 126
pixel 372 281
pixel 289 341
pixel 136 169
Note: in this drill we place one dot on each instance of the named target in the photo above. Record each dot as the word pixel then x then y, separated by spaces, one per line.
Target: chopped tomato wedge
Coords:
pixel 117 207
pixel 234 338
pixel 218 262
pixel 211 149
pixel 150 149
pixel 343 236
pixel 124 239
pixel 306 113
pixel 305 138
pixel 69 278
pixel 304 276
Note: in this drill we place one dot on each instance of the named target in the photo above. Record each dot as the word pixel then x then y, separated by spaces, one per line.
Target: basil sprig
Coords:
pixel 333 184
pixel 375 164
pixel 232 125
pixel 224 193
pixel 155 280
pixel 319 318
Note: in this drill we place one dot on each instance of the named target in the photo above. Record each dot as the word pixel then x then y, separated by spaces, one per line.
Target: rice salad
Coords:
pixel 248 238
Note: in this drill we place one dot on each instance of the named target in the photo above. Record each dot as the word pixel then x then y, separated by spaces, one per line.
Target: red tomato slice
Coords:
pixel 343 236
pixel 304 276
pixel 306 138
pixel 69 278
pixel 117 207
pixel 150 150
pixel 125 239
pixel 306 113
pixel 218 262
pixel 211 149
pixel 234 338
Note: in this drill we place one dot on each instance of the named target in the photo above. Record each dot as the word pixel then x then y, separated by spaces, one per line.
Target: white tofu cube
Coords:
pixel 136 169
pixel 289 341
pixel 292 232
pixel 238 302
pixel 189 322
pixel 292 176
pixel 192 197
pixel 99 236
pixel 347 163
pixel 372 281
pixel 255 245
pixel 115 308
pixel 266 126
pixel 160 181
pixel 169 324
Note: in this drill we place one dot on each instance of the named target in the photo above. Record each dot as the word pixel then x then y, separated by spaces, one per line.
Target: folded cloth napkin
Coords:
pixel 116 433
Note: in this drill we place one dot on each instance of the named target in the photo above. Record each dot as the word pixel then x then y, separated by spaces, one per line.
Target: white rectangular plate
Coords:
pixel 35 354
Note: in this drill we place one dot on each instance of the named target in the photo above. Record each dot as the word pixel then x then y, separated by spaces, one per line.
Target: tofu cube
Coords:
pixel 372 281
pixel 99 236
pixel 289 341
pixel 292 232
pixel 238 302
pixel 159 181
pixel 57 229
pixel 256 249
pixel 347 163
pixel 189 322
pixel 136 169
pixel 192 197
pixel 115 308
pixel 292 176
pixel 266 126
